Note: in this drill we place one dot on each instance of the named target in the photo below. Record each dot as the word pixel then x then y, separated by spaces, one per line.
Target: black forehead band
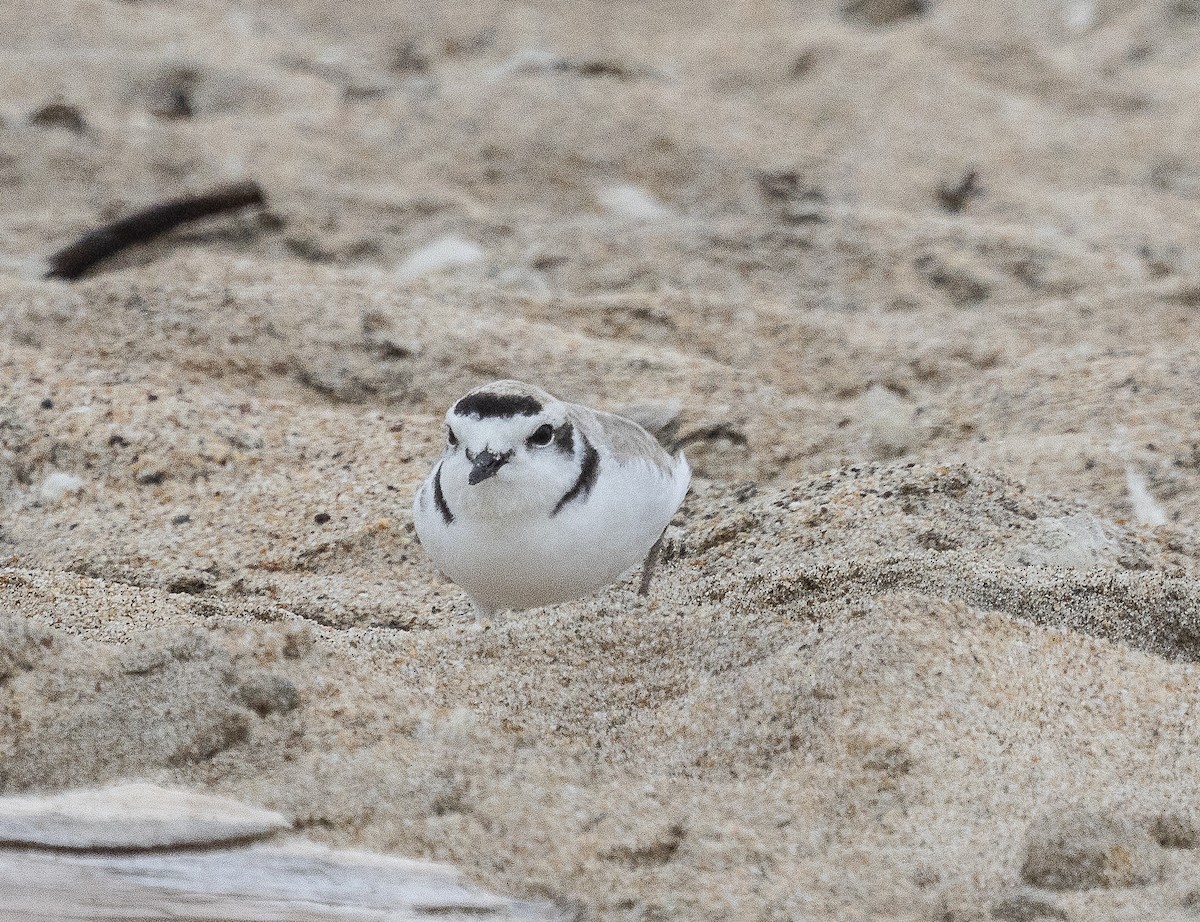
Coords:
pixel 485 405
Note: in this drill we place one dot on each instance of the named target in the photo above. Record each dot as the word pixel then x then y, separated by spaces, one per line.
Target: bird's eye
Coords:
pixel 542 435
pixel 451 438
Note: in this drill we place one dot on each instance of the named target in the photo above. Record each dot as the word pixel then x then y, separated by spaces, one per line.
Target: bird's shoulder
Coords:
pixel 621 439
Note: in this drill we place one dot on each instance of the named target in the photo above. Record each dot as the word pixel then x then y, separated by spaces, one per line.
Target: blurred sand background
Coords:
pixel 923 643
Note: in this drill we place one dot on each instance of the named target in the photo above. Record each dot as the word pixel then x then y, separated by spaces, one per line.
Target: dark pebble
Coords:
pixel 269 694
pixel 59 115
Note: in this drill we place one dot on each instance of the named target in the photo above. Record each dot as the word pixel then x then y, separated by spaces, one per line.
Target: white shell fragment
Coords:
pixel 132 816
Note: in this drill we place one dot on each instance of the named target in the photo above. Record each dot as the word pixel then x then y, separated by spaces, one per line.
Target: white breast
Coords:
pixel 527 562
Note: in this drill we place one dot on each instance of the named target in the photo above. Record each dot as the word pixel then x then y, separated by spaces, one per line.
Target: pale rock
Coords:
pixel 57 485
pixel 448 252
pixel 888 419
pixel 629 201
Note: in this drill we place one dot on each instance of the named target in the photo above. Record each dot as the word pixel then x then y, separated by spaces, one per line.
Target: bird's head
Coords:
pixel 509 445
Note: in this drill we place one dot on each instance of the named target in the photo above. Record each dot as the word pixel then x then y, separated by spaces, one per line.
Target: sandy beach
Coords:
pixel 916 285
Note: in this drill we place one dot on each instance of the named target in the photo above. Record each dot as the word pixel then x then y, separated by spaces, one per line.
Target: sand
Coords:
pixel 923 642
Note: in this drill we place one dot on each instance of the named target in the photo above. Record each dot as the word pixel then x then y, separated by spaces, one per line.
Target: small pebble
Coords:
pixel 269 694
pixel 880 12
pixel 629 201
pixel 1174 830
pixel 59 114
pixel 1026 907
pixel 1080 850
pixel 445 253
pixel 321 518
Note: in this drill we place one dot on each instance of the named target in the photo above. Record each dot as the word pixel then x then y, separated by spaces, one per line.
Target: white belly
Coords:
pixel 519 563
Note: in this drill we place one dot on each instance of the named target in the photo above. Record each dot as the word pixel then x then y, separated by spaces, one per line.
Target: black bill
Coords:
pixel 485 465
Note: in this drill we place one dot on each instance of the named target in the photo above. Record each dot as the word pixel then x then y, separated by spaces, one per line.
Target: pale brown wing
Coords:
pixel 624 438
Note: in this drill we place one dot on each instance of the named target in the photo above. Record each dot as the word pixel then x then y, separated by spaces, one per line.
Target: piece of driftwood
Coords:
pixel 75 259
pixel 209 873
pixel 295 881
pixel 132 816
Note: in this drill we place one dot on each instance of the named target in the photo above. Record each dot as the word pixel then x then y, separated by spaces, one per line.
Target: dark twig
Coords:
pixel 75 259
pixel 710 434
pixel 954 198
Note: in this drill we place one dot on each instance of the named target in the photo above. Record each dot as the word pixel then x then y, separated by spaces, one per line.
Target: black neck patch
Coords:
pixel 439 498
pixel 587 476
pixel 485 405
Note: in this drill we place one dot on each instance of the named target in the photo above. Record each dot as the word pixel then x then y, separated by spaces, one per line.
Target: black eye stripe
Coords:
pixel 451 438
pixel 564 438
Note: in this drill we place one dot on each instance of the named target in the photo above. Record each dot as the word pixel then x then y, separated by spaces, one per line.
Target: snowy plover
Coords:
pixel 536 501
